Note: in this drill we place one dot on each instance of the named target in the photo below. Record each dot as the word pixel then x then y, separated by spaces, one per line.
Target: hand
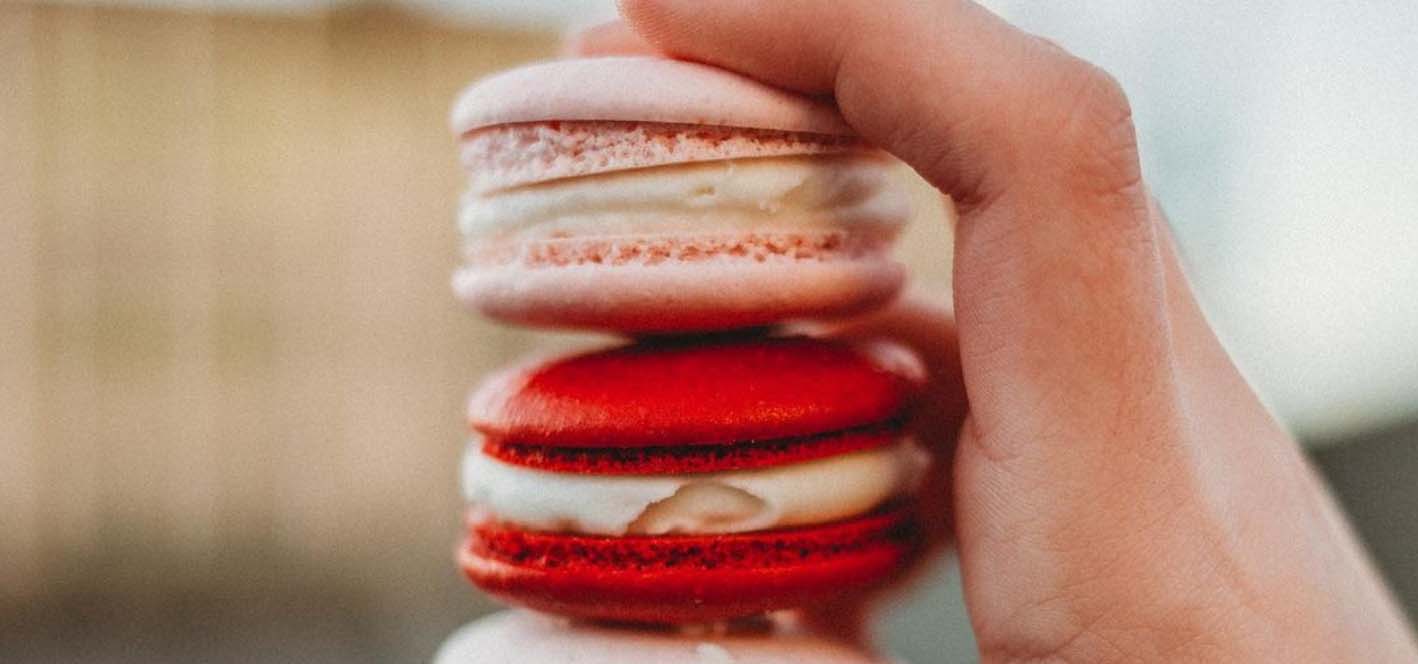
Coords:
pixel 1119 492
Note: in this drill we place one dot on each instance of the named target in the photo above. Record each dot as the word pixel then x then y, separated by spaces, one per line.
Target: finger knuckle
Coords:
pixel 1079 123
pixel 1096 128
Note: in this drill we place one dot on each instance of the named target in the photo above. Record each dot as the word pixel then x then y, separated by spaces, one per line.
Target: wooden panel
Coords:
pixel 20 521
pixel 152 105
pixel 67 201
pixel 227 322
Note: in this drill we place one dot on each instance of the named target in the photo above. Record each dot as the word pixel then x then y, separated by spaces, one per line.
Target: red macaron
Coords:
pixel 691 410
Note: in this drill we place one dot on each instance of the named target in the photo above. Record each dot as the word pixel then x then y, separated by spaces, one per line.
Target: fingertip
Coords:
pixel 638 14
pixel 609 38
pixel 924 323
pixel 628 9
pixel 661 24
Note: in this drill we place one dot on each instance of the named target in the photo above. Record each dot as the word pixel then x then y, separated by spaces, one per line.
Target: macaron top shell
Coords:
pixel 520 637
pixel 640 89
pixel 703 393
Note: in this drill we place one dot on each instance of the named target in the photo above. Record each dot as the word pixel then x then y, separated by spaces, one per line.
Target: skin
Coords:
pixel 1114 488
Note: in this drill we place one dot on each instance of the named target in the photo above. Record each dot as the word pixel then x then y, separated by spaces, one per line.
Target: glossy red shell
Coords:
pixel 701 393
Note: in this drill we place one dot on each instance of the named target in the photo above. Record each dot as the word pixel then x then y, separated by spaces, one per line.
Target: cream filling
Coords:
pixel 804 493
pixel 814 193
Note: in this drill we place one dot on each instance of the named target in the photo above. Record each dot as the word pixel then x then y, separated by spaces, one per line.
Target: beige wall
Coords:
pixel 227 335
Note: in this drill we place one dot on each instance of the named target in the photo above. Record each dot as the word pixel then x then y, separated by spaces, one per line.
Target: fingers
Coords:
pixel 1059 288
pixel 1119 492
pixel 1058 281
pixel 928 328
pixel 1077 444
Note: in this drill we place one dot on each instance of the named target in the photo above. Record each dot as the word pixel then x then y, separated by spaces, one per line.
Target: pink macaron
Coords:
pixel 518 637
pixel 647 195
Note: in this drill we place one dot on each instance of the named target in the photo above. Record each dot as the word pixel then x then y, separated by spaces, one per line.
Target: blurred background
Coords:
pixel 231 372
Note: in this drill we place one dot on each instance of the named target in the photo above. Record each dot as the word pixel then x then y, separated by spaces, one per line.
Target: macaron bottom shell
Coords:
pixel 679 296
pixel 687 578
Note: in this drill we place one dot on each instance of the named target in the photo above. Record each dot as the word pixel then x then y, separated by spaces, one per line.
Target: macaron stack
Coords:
pixel 714 469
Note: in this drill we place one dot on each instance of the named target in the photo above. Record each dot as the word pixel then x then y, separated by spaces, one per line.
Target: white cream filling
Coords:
pixel 808 492
pixel 819 192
